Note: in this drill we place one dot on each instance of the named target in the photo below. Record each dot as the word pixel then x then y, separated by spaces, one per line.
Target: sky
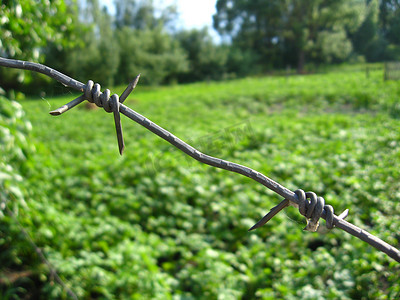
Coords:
pixel 193 13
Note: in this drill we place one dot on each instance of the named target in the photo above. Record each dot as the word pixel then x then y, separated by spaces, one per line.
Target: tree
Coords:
pixel 389 18
pixel 143 14
pixel 97 58
pixel 367 40
pixel 291 31
pixel 318 29
pixel 389 15
pixel 253 25
pixel 153 53
pixel 206 60
pixel 145 45
pixel 28 26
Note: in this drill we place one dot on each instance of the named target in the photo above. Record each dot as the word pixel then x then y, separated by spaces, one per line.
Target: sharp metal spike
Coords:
pixel 117 121
pixel 271 214
pixel 68 106
pixel 129 89
pixel 344 214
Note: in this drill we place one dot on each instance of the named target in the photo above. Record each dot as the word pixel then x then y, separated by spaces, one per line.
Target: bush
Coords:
pixel 152 53
pixel 15 252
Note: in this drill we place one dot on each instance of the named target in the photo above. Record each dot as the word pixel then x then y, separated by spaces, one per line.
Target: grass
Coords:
pixel 155 224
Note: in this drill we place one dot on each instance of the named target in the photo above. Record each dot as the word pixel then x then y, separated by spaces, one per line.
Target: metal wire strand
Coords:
pixel 289 196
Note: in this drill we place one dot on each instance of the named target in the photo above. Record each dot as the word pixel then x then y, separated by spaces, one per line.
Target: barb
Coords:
pixel 312 210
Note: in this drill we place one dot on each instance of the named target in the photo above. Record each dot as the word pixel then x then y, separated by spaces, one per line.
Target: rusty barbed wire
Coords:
pixel 310 205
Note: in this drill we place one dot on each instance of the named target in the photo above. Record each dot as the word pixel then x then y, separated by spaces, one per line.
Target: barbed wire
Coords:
pixel 309 204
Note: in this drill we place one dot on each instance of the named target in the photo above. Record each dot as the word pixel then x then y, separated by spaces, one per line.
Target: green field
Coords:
pixel 155 224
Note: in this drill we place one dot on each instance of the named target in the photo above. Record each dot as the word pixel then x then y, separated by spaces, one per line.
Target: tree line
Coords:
pixel 84 40
pixel 295 32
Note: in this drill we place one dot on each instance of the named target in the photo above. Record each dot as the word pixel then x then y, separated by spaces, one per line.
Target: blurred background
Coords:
pixel 304 91
pixel 177 41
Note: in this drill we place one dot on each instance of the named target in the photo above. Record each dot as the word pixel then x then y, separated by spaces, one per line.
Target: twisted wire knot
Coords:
pixel 92 93
pixel 313 209
pixel 102 99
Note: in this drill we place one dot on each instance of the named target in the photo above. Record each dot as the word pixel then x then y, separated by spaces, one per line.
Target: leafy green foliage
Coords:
pixel 206 60
pixel 15 252
pixel 21 36
pixel 14 147
pixel 156 224
pixel 153 52
pixel 27 28
pixel 97 57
